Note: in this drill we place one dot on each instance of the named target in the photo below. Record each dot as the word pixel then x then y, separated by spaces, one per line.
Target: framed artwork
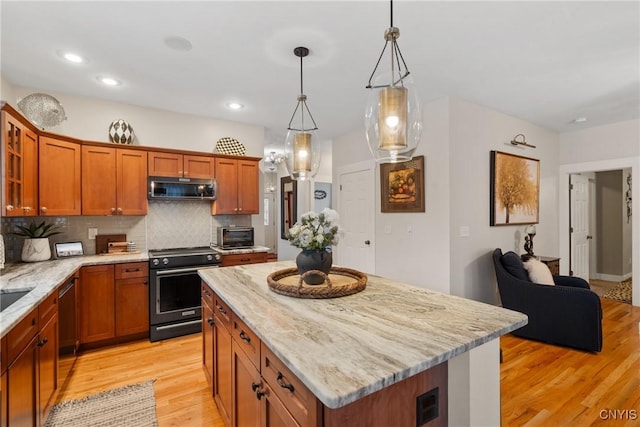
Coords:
pixel 515 189
pixel 402 186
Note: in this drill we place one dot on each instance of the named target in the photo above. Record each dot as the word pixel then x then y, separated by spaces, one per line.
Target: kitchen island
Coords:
pixel 349 350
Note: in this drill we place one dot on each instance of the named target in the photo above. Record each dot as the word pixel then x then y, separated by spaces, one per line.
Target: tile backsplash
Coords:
pixel 168 224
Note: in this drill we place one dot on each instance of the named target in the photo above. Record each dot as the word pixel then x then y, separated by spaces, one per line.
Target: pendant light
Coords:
pixel 393 116
pixel 301 147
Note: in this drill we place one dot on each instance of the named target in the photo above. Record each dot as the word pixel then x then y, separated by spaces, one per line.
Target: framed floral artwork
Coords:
pixel 402 186
pixel 515 189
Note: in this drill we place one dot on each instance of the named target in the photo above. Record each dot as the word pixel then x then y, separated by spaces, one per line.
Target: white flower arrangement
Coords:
pixel 316 231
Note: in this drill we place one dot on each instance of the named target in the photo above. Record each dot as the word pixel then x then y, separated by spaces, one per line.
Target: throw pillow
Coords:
pixel 538 272
pixel 513 264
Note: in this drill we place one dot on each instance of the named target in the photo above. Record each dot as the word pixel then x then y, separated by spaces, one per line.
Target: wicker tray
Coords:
pixel 339 282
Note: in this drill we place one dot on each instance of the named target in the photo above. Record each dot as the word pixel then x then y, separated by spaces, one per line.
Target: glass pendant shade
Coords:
pixel 302 154
pixel 393 119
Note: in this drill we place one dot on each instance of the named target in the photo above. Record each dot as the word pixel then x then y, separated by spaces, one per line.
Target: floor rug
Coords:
pixel 133 405
pixel 622 292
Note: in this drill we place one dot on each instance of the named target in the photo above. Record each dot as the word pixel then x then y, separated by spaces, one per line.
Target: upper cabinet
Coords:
pixel 180 165
pixel 114 181
pixel 20 180
pixel 237 182
pixel 60 177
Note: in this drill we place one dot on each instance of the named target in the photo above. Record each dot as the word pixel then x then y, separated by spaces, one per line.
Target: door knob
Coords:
pixel 589 237
pixel 367 242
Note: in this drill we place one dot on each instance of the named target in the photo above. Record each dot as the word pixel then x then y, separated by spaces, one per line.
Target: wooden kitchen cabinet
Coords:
pixel 247 389
pixel 20 155
pixel 59 163
pixel 132 298
pixel 114 181
pixel 47 366
pixel 96 303
pixel 113 301
pixel 207 336
pixel 222 359
pixel 180 165
pixel 238 182
pixel 241 259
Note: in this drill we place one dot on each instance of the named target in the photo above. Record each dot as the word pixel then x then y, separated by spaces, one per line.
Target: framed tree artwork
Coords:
pixel 515 189
pixel 402 186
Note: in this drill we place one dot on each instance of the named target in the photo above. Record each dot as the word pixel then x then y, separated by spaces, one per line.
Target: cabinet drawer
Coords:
pixel 295 396
pixel 131 270
pixel 241 259
pixel 21 334
pixel 48 308
pixel 247 340
pixel 222 312
pixel 207 295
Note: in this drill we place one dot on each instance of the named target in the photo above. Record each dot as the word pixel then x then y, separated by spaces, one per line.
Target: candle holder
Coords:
pixel 528 239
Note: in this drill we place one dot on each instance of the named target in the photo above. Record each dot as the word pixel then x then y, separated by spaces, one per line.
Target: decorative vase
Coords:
pixel 314 260
pixel 35 250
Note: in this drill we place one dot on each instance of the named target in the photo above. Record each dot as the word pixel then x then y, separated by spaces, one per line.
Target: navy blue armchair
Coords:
pixel 568 314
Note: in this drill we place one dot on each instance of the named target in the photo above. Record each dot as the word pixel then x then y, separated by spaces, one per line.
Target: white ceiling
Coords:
pixel 545 62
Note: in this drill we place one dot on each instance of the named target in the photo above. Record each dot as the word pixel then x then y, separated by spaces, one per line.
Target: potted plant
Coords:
pixel 315 234
pixel 36 240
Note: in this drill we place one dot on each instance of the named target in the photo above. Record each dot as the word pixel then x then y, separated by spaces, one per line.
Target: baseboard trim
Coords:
pixel 611 277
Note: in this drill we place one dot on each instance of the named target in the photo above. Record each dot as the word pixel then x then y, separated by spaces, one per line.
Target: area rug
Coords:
pixel 133 405
pixel 621 292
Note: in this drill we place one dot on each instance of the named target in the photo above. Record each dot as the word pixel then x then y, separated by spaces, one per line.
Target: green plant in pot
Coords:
pixel 36 240
pixel 315 234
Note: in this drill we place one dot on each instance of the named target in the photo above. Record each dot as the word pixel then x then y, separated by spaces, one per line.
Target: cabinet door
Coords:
pixel 131 182
pixel 96 301
pixel 222 371
pixel 227 180
pixel 98 180
pixel 3 400
pixel 248 192
pixel 20 180
pixel 47 365
pixel 198 167
pixel 132 306
pixel 59 177
pixel 247 390
pixel 274 413
pixel 165 164
pixel 22 404
pixel 207 342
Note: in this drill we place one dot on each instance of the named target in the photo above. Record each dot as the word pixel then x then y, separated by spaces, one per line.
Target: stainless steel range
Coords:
pixel 174 291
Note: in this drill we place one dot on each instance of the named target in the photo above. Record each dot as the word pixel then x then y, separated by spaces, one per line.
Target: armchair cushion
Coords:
pixel 538 272
pixel 513 264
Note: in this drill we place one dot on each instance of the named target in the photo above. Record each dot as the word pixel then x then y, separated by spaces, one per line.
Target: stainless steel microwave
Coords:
pixel 235 237
pixel 169 188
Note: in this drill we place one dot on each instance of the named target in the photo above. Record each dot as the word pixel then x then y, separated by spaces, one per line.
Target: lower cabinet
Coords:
pixel 241 259
pixel 207 336
pixel 30 382
pixel 113 301
pixel 252 387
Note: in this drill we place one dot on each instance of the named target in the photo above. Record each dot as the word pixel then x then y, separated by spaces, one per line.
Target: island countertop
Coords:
pixel 345 348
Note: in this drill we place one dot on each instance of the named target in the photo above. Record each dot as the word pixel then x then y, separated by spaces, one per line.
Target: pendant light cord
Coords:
pixel 391 14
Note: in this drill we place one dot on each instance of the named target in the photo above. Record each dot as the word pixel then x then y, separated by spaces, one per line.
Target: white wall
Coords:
pixel 475 131
pixel 621 140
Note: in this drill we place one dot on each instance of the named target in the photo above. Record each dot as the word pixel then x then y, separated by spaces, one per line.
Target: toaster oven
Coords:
pixel 235 237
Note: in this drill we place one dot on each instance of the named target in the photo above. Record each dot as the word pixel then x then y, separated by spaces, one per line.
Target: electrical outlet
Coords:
pixel 92 233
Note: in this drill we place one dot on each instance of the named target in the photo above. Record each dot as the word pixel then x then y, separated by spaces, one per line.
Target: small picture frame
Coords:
pixel 515 189
pixel 68 249
pixel 402 186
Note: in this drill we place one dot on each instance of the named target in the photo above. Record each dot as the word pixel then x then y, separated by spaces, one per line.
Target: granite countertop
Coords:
pixel 251 250
pixel 345 348
pixel 42 278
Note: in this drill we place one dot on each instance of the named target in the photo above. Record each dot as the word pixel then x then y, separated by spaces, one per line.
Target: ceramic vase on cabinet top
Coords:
pixel 35 250
pixel 314 260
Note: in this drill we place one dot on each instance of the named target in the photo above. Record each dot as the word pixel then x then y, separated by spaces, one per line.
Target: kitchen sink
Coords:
pixel 8 298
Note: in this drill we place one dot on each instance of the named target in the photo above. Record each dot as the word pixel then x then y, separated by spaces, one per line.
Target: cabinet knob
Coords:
pixel 113 210
pixel 43 209
pixel 42 342
pixel 244 337
pixel 27 208
pixel 9 208
pixel 210 321
pixel 282 384
pixel 120 211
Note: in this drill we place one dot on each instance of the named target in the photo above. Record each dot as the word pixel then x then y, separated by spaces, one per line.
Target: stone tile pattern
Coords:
pixel 345 348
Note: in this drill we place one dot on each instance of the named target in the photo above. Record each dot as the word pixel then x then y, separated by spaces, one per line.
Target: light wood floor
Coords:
pixel 545 385
pixel 542 385
pixel 182 395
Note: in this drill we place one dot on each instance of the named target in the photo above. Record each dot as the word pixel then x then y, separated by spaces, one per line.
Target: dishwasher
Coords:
pixel 68 343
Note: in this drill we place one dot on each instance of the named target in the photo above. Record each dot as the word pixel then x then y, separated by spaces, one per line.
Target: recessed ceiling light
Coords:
pixel 235 106
pixel 109 81
pixel 178 43
pixel 580 120
pixel 72 57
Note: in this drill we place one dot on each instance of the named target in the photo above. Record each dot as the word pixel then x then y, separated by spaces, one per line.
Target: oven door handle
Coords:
pixel 176 271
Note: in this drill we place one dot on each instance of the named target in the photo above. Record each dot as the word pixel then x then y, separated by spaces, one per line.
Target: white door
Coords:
pixel 270 229
pixel 356 207
pixel 579 226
